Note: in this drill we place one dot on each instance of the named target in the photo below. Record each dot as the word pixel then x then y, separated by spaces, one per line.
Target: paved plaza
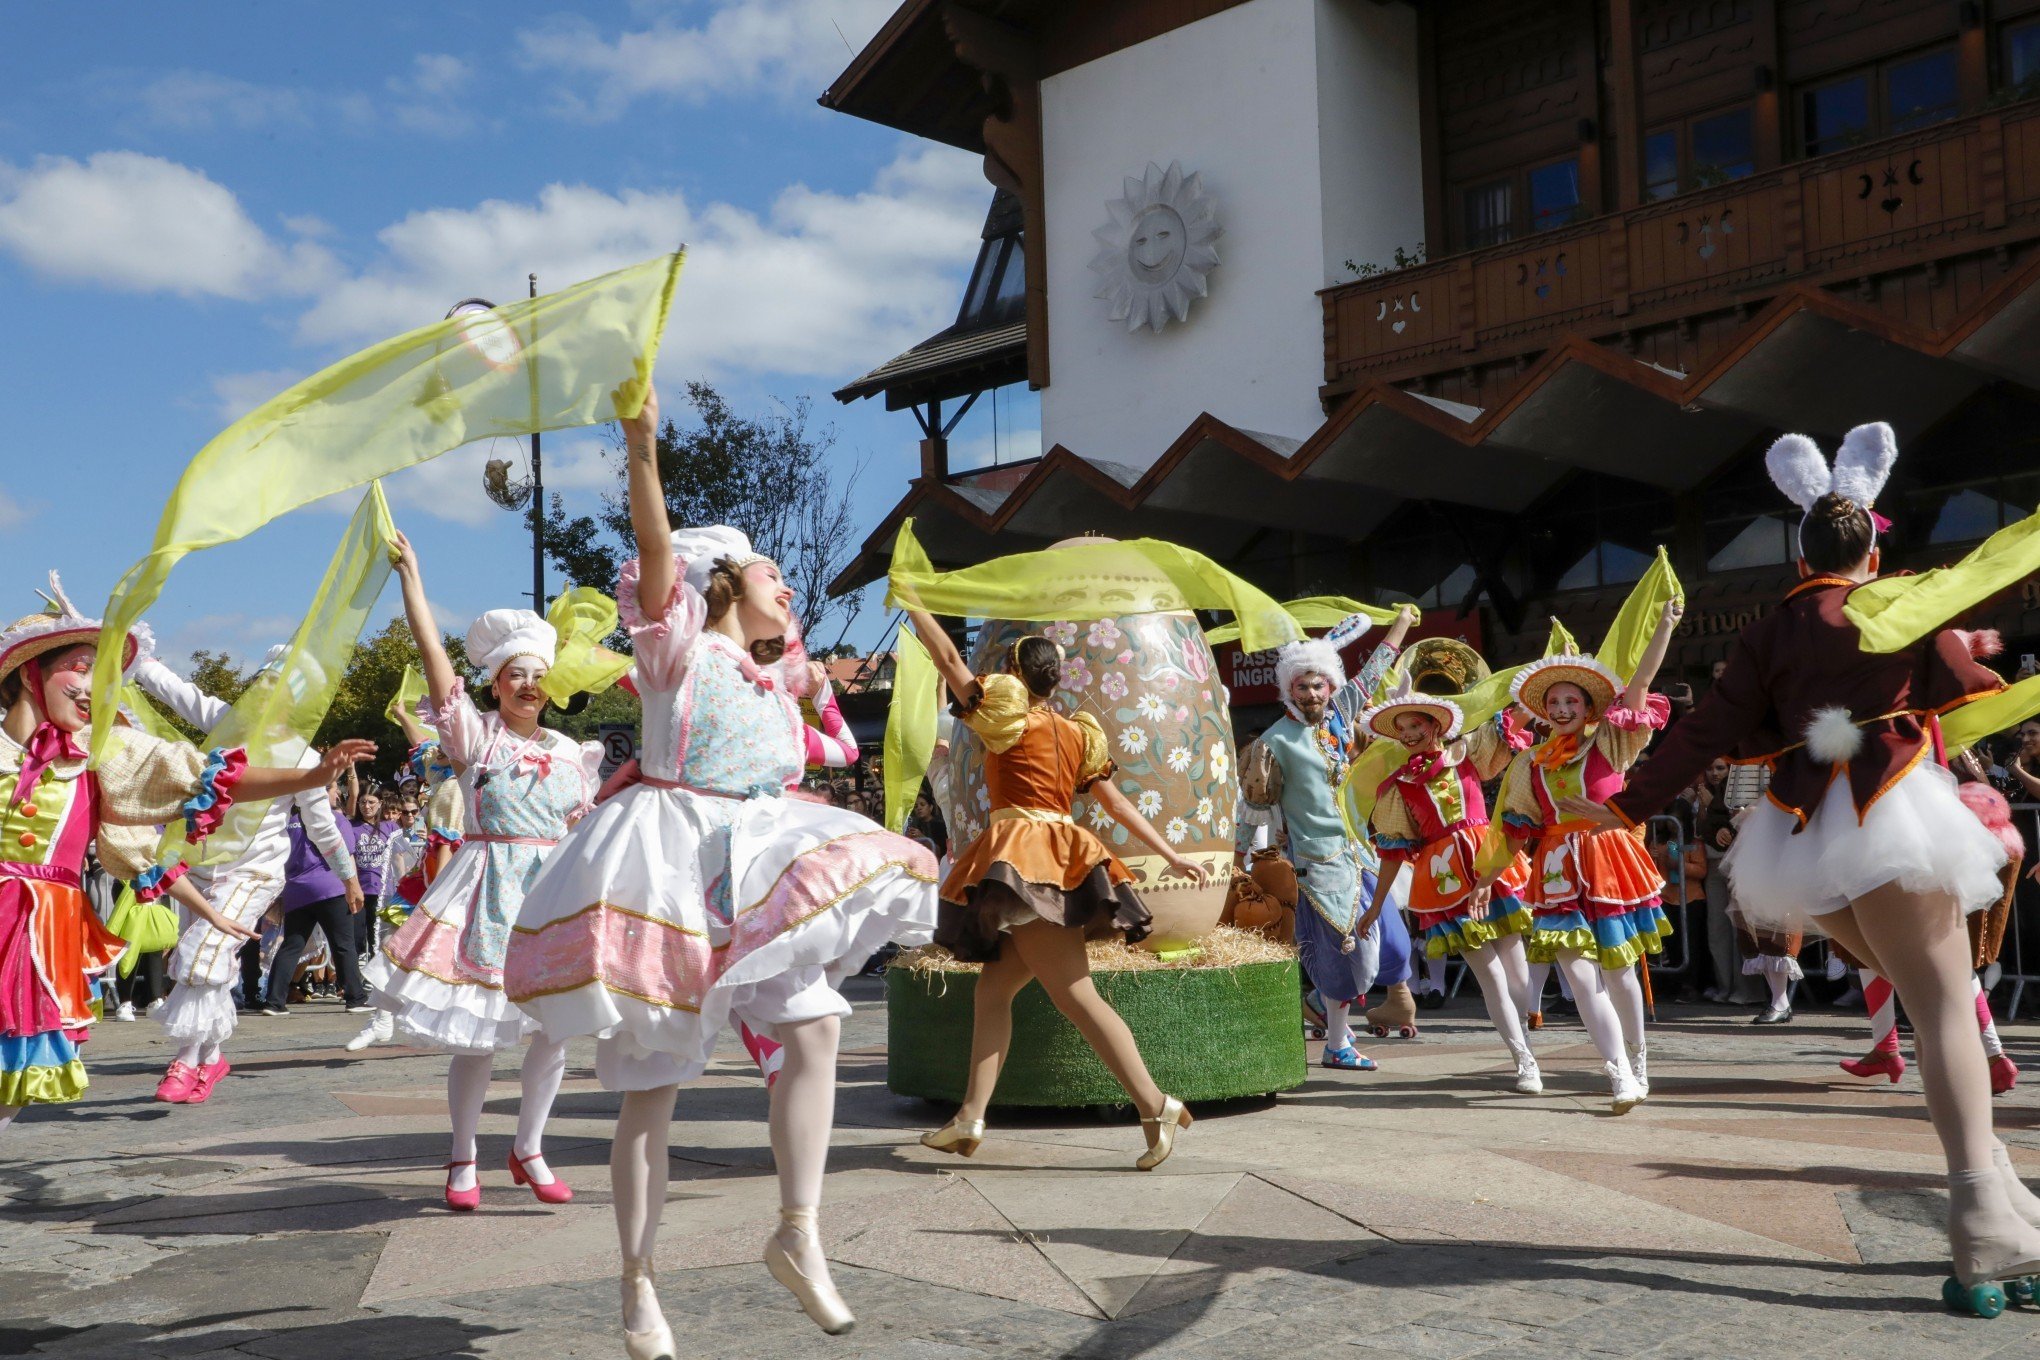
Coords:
pixel 1760 1205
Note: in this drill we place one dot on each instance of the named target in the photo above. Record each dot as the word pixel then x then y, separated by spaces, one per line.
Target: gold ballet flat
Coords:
pixel 817 1297
pixel 959 1136
pixel 1166 1124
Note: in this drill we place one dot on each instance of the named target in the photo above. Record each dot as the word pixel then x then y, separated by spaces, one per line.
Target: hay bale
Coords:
pixel 1209 1028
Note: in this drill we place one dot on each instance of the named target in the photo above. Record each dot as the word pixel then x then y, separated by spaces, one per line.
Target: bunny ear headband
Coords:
pixel 1861 467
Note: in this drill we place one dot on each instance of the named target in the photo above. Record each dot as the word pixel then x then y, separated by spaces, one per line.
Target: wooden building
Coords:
pixel 1508 293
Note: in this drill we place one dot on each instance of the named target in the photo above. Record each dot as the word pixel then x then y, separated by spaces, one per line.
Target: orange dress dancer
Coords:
pixel 1033 861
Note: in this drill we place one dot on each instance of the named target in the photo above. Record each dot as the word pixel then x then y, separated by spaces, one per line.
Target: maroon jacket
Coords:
pixel 1802 657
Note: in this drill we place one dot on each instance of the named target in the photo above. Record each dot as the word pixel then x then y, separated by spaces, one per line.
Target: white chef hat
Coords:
pixel 700 549
pixel 497 636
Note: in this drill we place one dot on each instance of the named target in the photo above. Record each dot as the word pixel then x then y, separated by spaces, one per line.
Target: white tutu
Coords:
pixel 1918 835
pixel 667 912
pixel 423 977
pixel 199 1013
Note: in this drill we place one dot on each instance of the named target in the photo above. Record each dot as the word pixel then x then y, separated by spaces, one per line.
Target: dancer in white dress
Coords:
pixel 200 1013
pixel 704 894
pixel 441 973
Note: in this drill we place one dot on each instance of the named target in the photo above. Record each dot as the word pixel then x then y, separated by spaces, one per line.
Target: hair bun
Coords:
pixel 1837 507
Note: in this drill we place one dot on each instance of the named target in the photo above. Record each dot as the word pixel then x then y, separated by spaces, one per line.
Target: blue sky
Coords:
pixel 201 203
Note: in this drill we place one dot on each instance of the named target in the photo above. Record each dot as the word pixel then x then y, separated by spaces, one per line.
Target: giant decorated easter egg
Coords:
pixel 1150 681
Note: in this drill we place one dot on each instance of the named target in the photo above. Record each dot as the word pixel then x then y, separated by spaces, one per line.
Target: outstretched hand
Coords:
pixel 1184 868
pixel 1586 810
pixel 344 756
pixel 404 556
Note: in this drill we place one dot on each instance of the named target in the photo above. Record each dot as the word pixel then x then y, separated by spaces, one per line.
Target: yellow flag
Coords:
pixel 410 690
pixel 1097 580
pixel 910 724
pixel 582 617
pixel 1315 611
pixel 150 718
pixel 279 713
pixel 576 357
pixel 1894 612
pixel 2000 712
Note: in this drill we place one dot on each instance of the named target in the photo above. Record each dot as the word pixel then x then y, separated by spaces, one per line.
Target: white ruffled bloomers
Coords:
pixel 457 1017
pixel 1918 835
pixel 199 1013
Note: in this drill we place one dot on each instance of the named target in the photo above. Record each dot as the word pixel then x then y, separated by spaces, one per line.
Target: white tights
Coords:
pixel 7 1113
pixel 1591 988
pixel 199 1053
pixel 802 1117
pixel 1504 990
pixel 467 1090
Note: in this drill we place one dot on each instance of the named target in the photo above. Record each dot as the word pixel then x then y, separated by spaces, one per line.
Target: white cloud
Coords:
pixel 124 220
pixel 14 512
pixel 822 284
pixel 432 96
pixel 200 101
pixel 780 47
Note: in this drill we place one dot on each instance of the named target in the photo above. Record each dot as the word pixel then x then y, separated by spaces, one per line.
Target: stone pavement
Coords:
pixel 1760 1205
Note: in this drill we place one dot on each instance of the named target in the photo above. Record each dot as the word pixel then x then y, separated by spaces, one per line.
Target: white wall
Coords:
pixel 1296 112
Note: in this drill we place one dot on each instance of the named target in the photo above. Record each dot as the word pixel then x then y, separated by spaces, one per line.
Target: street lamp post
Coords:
pixel 519 495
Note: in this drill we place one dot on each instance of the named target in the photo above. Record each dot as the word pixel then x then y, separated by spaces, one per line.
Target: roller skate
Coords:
pixel 1313 1017
pixel 2004 1075
pixel 1397 1012
pixel 1996 1248
pixel 1878 1062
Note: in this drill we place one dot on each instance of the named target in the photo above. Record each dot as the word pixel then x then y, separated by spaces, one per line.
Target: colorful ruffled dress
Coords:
pixel 705 894
pixel 444 825
pixel 1033 862
pixel 1432 815
pixel 51 942
pixel 441 973
pixel 1592 892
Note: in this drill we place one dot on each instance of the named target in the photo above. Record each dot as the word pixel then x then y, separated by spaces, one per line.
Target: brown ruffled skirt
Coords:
pixel 1056 871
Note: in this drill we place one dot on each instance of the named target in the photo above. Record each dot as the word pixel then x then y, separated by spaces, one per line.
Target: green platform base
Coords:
pixel 1206 1033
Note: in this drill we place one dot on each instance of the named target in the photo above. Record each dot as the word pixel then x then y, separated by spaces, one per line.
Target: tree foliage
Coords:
pixel 770 476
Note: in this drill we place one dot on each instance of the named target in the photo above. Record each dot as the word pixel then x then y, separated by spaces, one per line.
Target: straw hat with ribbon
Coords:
pixel 58 627
pixel 1596 681
pixel 1380 719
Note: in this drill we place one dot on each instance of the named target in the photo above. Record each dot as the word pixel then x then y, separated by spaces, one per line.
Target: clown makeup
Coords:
pixel 1311 693
pixel 518 696
pixel 66 679
pixel 1416 731
pixel 1567 707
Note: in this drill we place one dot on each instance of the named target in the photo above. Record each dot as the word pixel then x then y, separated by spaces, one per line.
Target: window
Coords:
pixel 1724 148
pixel 1765 541
pixel 1488 214
pixel 1555 194
pixel 1920 92
pixel 1661 164
pixel 1881 101
pixel 993 295
pixel 1699 153
pixel 2021 58
pixel 1835 115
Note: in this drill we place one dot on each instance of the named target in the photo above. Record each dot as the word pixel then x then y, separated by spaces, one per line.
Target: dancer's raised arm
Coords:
pixel 1653 655
pixel 648 522
pixel 949 662
pixel 432 658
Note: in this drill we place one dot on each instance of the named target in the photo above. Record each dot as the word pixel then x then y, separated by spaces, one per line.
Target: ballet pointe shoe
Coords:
pixel 656 1341
pixel 1166 1125
pixel 462 1201
pixel 1878 1062
pixel 554 1191
pixel 817 1296
pixel 960 1136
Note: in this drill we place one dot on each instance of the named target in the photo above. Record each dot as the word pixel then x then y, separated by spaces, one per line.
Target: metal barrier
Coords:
pixel 2013 939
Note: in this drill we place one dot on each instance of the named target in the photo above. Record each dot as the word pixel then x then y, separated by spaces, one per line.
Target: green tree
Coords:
pixel 217 675
pixel 770 476
pixel 363 696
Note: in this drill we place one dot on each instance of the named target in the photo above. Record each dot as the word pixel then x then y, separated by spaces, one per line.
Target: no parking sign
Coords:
pixel 619 746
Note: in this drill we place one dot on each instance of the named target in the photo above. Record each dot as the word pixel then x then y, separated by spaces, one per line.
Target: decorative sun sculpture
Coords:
pixel 1157 250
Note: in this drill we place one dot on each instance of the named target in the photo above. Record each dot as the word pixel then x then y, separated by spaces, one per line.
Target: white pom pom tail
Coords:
pixel 1799 470
pixel 1832 736
pixel 1863 463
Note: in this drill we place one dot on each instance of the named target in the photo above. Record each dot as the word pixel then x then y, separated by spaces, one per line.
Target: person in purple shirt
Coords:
pixel 315 896
pixel 371 858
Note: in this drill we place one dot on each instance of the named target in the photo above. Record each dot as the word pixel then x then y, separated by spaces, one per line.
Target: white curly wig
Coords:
pixel 1311 656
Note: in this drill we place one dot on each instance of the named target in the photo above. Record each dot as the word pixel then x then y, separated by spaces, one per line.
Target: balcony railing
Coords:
pixel 1958 187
